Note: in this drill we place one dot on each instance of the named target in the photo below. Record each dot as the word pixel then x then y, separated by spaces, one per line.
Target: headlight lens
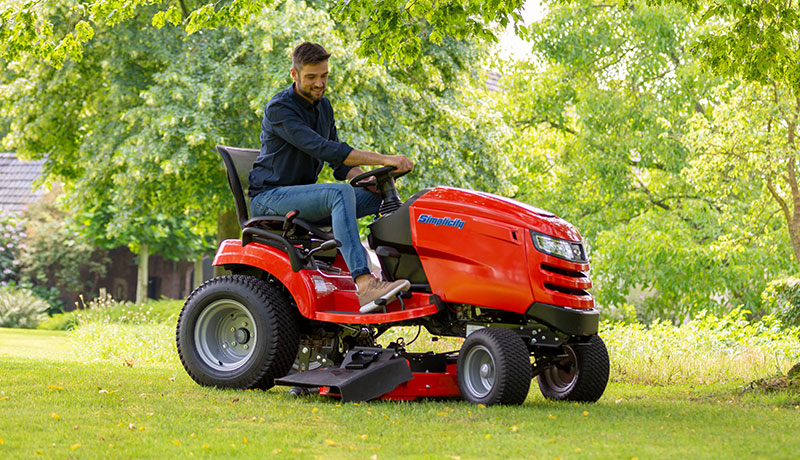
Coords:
pixel 567 250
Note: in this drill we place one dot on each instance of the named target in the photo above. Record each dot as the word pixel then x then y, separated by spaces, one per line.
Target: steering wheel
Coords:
pixel 384 181
pixel 381 174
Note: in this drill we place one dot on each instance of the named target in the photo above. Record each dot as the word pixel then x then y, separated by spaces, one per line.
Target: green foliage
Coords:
pixel 706 349
pixel 12 242
pixel 624 313
pixel 93 151
pixel 56 256
pixel 755 41
pixel 106 310
pixel 14 249
pixel 19 308
pixel 745 159
pixel 390 31
pixel 63 321
pixel 107 329
pixel 396 31
pixel 608 138
pixel 133 133
pixel 782 297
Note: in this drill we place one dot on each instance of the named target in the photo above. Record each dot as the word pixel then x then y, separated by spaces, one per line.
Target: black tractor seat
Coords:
pixel 271 230
pixel 300 229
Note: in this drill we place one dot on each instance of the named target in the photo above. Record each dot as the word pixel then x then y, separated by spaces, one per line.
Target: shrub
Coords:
pixel 782 297
pixel 21 309
pixel 55 255
pixel 106 310
pixel 12 235
pixel 624 313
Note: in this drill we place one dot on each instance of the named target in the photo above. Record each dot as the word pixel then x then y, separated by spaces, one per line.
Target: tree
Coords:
pixel 746 148
pixel 756 41
pixel 602 123
pixel 71 117
pixel 759 43
pixel 131 128
pixel 390 31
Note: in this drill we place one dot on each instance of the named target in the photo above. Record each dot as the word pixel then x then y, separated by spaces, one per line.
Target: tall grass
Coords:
pixel 125 333
pixel 708 349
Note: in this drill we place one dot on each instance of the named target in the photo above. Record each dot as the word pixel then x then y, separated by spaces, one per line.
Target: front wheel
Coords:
pixel 494 367
pixel 237 332
pixel 581 375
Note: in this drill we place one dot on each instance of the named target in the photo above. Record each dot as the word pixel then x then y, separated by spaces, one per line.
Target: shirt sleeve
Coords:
pixel 289 126
pixel 339 173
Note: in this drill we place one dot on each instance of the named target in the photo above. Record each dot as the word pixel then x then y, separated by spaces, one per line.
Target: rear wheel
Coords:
pixel 581 375
pixel 237 332
pixel 494 367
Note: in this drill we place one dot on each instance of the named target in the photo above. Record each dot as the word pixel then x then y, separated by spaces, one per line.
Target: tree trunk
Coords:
pixel 143 273
pixel 198 273
pixel 227 227
pixel 794 188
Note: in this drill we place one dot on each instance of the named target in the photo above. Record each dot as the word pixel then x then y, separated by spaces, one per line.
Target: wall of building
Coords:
pixel 168 278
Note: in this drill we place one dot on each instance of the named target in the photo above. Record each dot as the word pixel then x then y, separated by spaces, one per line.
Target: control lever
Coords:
pixel 287 223
pixel 327 245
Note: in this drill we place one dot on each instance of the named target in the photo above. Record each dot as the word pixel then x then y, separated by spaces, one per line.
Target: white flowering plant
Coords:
pixel 12 237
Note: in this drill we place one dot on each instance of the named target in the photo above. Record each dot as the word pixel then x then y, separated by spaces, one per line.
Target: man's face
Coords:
pixel 311 80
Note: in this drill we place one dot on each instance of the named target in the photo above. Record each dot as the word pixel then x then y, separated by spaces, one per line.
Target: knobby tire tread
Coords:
pixel 593 371
pixel 283 338
pixel 513 379
pixel 594 364
pixel 518 378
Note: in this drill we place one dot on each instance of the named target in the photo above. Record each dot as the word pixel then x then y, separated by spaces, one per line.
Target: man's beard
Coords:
pixel 309 95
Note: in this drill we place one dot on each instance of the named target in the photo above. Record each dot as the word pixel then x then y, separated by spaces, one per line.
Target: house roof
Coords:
pixel 16 182
pixel 493 81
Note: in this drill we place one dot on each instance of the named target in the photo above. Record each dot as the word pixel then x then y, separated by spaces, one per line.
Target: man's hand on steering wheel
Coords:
pixel 401 162
pixel 394 165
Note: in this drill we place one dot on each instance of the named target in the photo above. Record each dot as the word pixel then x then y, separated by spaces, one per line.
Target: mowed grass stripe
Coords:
pixel 68 409
pixel 31 343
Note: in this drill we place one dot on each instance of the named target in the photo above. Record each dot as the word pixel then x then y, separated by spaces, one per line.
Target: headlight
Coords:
pixel 567 250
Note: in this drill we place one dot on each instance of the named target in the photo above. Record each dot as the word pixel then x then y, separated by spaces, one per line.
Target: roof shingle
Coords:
pixel 16 182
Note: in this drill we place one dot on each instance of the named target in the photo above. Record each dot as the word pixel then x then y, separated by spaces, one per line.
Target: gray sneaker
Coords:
pixel 377 289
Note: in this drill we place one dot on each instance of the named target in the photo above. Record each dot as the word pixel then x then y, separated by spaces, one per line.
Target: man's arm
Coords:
pixel 364 157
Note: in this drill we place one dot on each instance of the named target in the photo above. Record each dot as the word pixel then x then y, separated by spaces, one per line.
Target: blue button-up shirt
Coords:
pixel 296 138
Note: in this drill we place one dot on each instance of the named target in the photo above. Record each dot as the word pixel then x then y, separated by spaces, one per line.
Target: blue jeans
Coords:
pixel 325 204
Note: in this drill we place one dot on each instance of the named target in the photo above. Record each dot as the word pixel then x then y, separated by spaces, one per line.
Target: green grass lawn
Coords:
pixel 54 406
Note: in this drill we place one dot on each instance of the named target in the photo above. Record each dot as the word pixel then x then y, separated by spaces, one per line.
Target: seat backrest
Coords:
pixel 238 163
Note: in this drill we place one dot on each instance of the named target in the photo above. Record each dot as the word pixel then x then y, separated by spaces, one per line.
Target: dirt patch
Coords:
pixel 775 384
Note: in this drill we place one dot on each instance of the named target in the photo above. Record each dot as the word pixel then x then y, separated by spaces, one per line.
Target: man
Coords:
pixel 298 134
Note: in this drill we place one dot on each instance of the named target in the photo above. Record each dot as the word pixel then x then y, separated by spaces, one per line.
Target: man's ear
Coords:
pixel 293 71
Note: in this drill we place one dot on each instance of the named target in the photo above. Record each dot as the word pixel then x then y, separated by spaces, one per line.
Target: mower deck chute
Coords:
pixel 365 374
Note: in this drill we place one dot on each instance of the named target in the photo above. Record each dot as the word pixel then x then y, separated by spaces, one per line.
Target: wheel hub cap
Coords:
pixel 242 335
pixel 479 371
pixel 485 370
pixel 225 335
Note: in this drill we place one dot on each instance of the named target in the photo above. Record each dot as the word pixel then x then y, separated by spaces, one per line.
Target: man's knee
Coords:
pixel 343 193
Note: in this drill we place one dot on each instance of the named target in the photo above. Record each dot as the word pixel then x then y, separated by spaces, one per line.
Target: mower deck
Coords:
pixel 371 373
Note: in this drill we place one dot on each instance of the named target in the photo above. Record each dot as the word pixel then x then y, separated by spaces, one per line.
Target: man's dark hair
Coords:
pixel 308 53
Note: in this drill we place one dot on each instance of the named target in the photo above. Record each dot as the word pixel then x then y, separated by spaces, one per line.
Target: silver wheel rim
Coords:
pixel 562 380
pixel 480 371
pixel 225 335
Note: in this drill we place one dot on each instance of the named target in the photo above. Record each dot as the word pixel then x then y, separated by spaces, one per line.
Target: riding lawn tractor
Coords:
pixel 509 278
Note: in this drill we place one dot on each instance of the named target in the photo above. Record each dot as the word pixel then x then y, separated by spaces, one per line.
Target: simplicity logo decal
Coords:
pixel 437 221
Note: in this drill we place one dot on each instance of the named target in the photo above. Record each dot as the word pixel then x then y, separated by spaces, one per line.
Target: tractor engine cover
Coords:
pixel 476 248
